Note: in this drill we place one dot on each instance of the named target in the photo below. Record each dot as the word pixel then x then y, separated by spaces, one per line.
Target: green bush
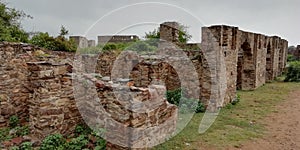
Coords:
pixel 174 96
pixel 200 108
pixel 53 142
pixel 10 27
pixel 101 144
pixel 13 121
pixel 4 134
pixel 21 131
pixel 109 46
pixel 236 100
pixel 293 72
pixel 26 146
pixel 59 43
pixel 186 104
pixel 82 129
pixel 291 58
pixel 77 143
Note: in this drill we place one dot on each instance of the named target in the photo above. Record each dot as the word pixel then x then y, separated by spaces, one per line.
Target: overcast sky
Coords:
pixel 103 17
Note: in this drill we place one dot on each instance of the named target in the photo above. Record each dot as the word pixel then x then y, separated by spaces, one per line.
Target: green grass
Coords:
pixel 235 124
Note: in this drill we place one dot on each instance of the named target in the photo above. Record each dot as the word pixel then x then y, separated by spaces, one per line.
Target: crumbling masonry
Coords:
pixel 36 85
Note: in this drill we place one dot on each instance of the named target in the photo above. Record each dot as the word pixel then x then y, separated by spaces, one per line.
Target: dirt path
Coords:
pixel 283 128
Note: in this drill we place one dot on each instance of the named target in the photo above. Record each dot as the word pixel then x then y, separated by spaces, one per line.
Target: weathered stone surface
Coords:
pixel 37 85
pixel 250 59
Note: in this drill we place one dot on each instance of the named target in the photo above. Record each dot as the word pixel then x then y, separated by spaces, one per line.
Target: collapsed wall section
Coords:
pixel 53 108
pixel 144 70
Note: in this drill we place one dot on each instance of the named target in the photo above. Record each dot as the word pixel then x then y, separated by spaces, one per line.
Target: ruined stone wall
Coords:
pixel 250 59
pixel 81 42
pixel 14 88
pixel 260 55
pixel 52 108
pixel 105 62
pixel 297 53
pixel 149 69
pixel 37 84
pixel 283 56
pixel 38 87
pixel 276 57
pixel 219 46
pixel 275 67
pixel 91 43
pixel 169 31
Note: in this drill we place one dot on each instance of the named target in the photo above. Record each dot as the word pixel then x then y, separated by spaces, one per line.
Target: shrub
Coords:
pixel 200 108
pixel 26 146
pixel 21 131
pixel 110 46
pixel 101 144
pixel 77 143
pixel 174 96
pixel 236 100
pixel 13 121
pixel 82 129
pixel 53 142
pixel 293 72
pixel 291 58
pixel 59 43
pixel 4 134
pixel 10 26
pixel 186 104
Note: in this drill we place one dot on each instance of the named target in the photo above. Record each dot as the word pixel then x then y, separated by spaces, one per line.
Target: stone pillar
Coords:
pixel 52 108
pixel 14 89
pixel 169 31
pixel 219 49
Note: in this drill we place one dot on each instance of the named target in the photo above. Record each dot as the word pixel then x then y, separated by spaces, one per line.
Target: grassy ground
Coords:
pixel 235 123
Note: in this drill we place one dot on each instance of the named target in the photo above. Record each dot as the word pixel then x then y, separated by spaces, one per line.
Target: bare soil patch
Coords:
pixel 283 128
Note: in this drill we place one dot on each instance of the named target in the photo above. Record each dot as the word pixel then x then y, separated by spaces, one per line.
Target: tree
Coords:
pixel 59 43
pixel 10 24
pixel 155 34
pixel 63 31
pixel 184 35
pixel 293 72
